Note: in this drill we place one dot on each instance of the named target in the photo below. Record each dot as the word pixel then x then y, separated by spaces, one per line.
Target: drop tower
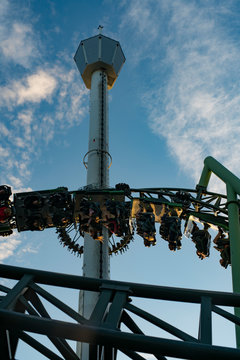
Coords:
pixel 99 60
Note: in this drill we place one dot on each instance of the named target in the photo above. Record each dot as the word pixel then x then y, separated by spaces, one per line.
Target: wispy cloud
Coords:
pixel 194 101
pixel 38 100
pixel 18 40
pixel 34 88
pixel 17 43
pixel 8 246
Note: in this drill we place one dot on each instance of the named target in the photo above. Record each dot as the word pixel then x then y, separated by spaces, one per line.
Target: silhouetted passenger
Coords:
pixel 148 242
pixel 58 200
pixel 96 232
pixel 182 197
pixel 60 219
pixel 223 245
pixel 119 216
pixel 172 246
pixel 33 201
pixel 36 223
pixel 170 230
pixel 201 239
pixel 146 225
pixel 5 214
pixel 124 187
pixel 5 192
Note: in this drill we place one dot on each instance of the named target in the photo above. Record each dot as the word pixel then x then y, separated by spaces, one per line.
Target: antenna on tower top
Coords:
pixel 100 27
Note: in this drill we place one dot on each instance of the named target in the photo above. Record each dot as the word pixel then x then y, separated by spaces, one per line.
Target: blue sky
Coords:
pixel 176 101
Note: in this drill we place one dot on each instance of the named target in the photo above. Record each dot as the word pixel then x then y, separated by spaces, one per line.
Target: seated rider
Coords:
pixel 95 212
pixel 225 257
pixel 113 227
pixel 117 223
pixel 170 230
pixel 172 246
pixel 60 219
pixel 5 192
pixel 90 210
pixel 183 198
pixel 201 239
pixel 84 207
pixel 89 218
pixel 5 214
pixel 223 245
pixel 95 231
pixel 149 243
pixel 58 200
pixel 34 201
pixel 36 223
pixel 146 224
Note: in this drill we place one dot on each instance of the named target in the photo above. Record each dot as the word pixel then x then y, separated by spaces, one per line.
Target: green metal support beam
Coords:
pixel 233 189
pixel 115 338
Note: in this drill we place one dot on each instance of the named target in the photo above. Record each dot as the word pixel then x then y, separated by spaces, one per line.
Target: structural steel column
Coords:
pixel 233 188
pixel 234 234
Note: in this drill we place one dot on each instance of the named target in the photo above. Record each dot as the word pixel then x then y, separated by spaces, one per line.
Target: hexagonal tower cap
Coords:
pixel 99 53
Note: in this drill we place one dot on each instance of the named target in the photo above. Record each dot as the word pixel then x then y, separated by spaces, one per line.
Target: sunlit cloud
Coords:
pixel 18 41
pixel 34 88
pixel 37 101
pixel 22 136
pixel 39 87
pixel 197 109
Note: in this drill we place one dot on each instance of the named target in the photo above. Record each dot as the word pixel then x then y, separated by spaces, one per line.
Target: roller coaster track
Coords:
pixel 203 206
pixel 207 207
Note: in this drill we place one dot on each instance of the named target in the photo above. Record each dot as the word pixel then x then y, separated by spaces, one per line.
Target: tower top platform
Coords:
pixel 99 53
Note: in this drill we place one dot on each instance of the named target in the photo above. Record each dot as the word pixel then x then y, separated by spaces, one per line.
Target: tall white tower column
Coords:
pixel 96 258
pixel 99 60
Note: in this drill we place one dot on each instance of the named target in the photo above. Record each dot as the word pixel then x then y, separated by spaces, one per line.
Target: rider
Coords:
pixel 201 239
pixel 118 223
pixel 34 201
pixel 5 214
pixel 146 224
pixel 170 230
pixel 223 245
pixel 5 192
pixel 5 209
pixel 36 222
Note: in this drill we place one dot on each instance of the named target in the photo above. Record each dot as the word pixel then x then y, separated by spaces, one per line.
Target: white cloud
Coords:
pixel 37 100
pixel 39 87
pixel 21 189
pixel 35 88
pixel 18 44
pixel 12 246
pixel 3 152
pixel 15 182
pixel 140 15
pixel 194 102
pixel 3 130
pixel 22 137
pixel 27 247
pixel 8 246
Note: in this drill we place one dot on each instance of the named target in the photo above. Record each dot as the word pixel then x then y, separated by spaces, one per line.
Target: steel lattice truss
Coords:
pixel 64 210
pixel 24 309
